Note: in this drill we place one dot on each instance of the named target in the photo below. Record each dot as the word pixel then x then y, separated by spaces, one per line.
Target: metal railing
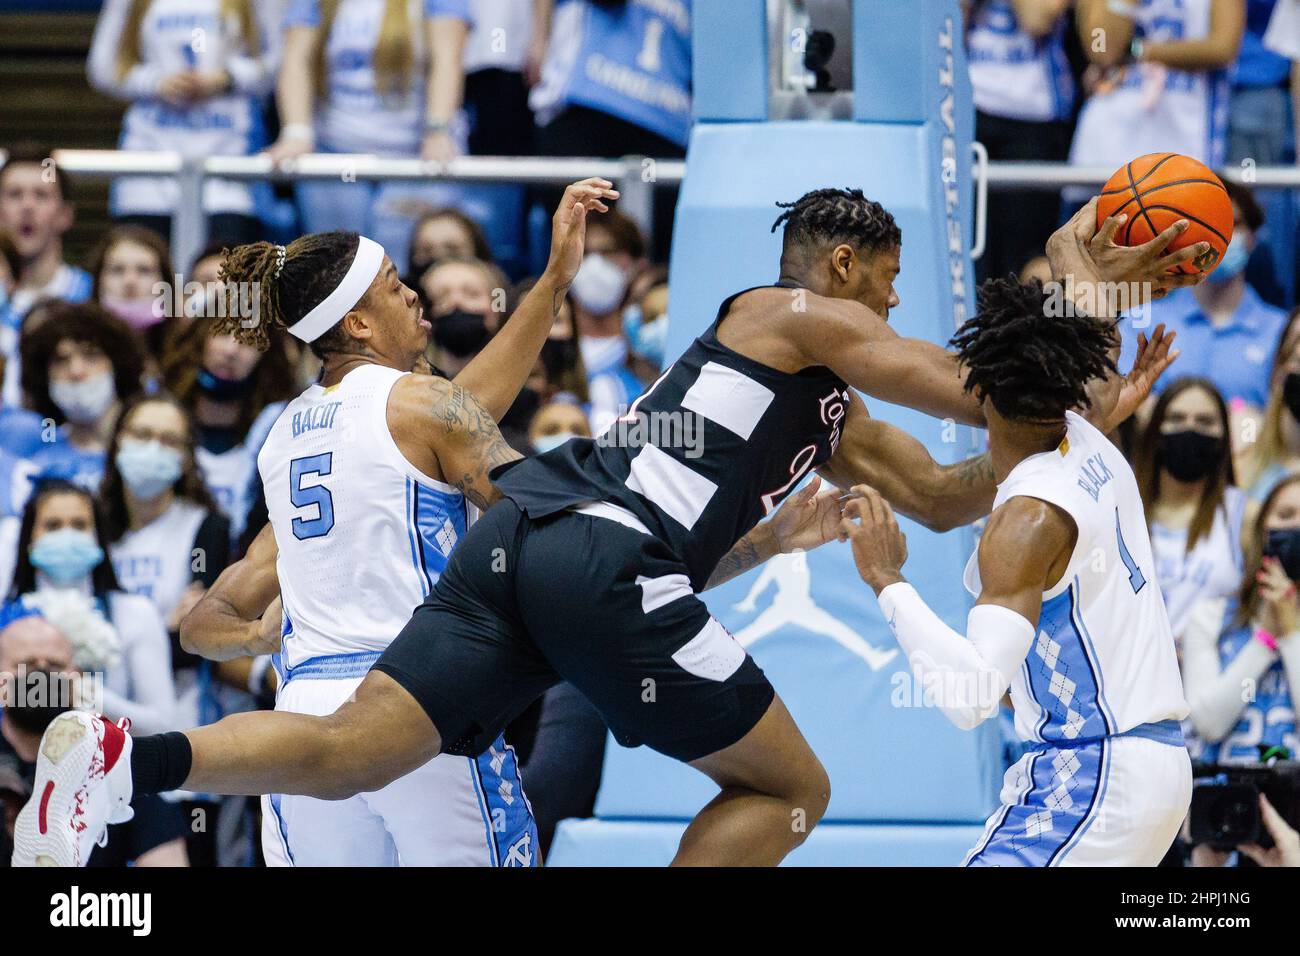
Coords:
pixel 636 177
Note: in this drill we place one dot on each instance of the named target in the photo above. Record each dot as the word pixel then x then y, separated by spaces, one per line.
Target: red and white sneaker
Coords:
pixel 83 783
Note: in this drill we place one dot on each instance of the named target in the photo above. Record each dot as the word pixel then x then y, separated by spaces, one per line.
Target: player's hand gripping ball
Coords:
pixel 1157 190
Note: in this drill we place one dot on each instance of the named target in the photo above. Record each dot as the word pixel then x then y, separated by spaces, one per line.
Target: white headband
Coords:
pixel 365 266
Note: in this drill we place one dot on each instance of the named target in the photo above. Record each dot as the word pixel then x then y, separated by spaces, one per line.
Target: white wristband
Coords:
pixel 299 131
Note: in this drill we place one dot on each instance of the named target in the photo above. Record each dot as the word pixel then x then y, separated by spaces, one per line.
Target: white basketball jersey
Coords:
pixel 1104 660
pixel 362 533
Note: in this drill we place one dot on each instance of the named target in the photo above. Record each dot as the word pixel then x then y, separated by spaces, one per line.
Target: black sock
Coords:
pixel 160 762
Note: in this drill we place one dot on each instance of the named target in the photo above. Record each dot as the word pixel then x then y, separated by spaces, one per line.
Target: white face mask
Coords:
pixel 84 402
pixel 600 284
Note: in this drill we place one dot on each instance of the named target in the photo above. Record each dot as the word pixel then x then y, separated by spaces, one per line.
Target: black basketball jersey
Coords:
pixel 711 447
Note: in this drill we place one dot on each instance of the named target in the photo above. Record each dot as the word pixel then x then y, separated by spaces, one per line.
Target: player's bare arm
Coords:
pixel 806 520
pixel 499 371
pixel 239 616
pixel 940 497
pixel 443 430
pixel 1024 551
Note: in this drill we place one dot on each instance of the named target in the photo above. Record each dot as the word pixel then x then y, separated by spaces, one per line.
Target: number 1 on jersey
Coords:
pixel 305 497
pixel 1135 577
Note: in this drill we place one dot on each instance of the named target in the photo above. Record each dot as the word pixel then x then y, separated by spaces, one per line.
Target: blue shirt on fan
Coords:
pixel 1236 357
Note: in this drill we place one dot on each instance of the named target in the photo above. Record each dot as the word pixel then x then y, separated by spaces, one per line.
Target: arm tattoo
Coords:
pixel 743 555
pixel 975 471
pixel 557 299
pixel 469 423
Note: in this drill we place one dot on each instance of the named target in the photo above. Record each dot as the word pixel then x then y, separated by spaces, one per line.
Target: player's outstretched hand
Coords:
pixel 569 225
pixel 1153 357
pixel 1107 277
pixel 879 547
pixel 1285 850
pixel 807 520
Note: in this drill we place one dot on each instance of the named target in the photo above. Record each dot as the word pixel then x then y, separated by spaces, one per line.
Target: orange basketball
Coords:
pixel 1156 191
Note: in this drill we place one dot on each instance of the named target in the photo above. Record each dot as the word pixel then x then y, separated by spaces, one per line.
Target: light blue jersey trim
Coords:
pixel 334 666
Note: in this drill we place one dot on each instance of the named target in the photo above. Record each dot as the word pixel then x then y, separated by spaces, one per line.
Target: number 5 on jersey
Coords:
pixel 314 494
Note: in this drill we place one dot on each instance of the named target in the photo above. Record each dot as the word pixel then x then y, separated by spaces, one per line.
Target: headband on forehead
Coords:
pixel 365 266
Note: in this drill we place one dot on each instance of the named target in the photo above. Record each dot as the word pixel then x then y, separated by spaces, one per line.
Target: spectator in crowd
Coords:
pixel 1274 452
pixel 195 73
pixel 22 428
pixel 361 76
pixel 1193 505
pixel 559 372
pixel 79 365
pixel 235 393
pixel 168 540
pixel 645 322
pixel 62 549
pixel 554 424
pixel 1024 104
pixel 1222 316
pixel 467 302
pixel 35 211
pixel 1259 110
pixel 444 233
pixel 1250 642
pixel 36 647
pixel 496 108
pixel 615 252
pixel 1159 80
pixel 1285 850
pixel 128 266
pixel 614 79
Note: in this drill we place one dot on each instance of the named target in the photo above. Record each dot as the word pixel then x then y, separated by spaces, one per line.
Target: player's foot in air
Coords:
pixel 83 783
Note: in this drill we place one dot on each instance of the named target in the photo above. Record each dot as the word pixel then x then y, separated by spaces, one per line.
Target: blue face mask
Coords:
pixel 66 555
pixel 645 339
pixel 1234 260
pixel 544 443
pixel 148 467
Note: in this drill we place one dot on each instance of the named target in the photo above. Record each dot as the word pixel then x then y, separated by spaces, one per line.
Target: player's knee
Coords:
pixel 814 793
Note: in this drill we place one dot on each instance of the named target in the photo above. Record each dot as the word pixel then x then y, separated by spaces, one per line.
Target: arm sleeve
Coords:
pixel 1214 693
pixel 146 654
pixel 967 677
pixel 213 539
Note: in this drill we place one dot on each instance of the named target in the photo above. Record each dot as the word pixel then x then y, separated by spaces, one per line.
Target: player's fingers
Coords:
pixel 853 508
pixel 1151 250
pixel 809 491
pixel 846 529
pixel 1106 235
pixel 1084 222
pixel 1255 852
pixel 1181 281
pixel 1269 814
pixel 1179 256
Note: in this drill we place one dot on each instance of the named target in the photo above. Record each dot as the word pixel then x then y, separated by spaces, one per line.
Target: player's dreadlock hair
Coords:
pixel 1033 362
pixel 288 288
pixel 838 215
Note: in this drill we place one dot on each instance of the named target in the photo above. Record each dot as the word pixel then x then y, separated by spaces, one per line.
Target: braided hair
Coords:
pixel 838 215
pixel 291 281
pixel 1032 360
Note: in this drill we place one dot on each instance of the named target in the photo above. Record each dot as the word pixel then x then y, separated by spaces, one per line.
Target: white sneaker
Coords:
pixel 83 783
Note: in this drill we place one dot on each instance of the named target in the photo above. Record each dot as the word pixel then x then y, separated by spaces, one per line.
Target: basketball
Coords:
pixel 1156 191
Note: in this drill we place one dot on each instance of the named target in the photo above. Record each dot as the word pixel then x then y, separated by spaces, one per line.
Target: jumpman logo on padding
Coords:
pixel 793 605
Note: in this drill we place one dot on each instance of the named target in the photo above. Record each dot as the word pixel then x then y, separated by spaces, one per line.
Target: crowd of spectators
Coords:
pixel 128 475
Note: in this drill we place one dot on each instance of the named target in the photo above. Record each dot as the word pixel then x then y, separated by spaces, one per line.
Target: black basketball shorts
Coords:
pixel 579 597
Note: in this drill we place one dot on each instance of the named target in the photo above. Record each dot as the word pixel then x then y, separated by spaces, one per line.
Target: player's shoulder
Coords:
pixel 1027 520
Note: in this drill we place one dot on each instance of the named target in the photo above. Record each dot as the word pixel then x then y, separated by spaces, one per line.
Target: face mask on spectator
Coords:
pixel 1284 544
pixel 1234 259
pixel 34 718
pixel 84 402
pixel 223 389
pixel 1291 394
pixel 66 555
pixel 460 332
pixel 1190 455
pixel 599 285
pixel 137 313
pixel 544 443
pixel 645 339
pixel 148 467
